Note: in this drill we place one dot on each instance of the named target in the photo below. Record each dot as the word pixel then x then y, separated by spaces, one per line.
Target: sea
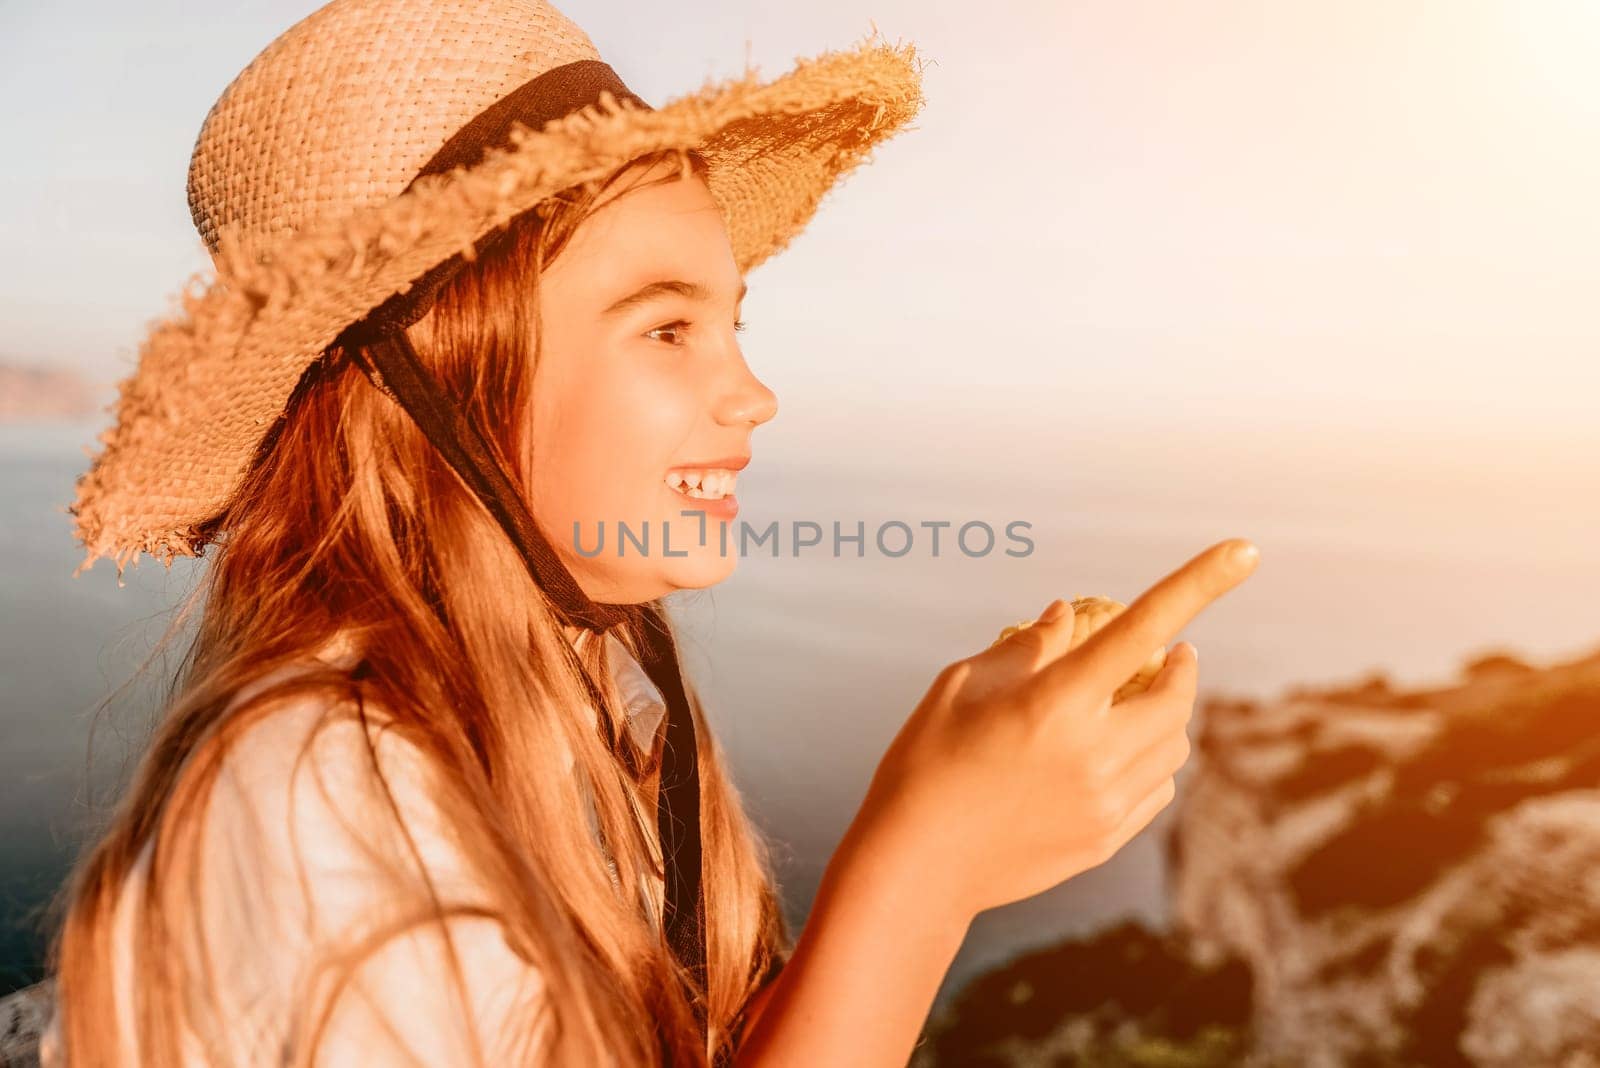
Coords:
pixel 1405 563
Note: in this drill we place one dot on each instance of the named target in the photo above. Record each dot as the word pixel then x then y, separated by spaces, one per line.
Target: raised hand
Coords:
pixel 1015 772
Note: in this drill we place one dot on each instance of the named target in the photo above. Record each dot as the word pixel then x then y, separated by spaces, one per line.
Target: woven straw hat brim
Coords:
pixel 213 379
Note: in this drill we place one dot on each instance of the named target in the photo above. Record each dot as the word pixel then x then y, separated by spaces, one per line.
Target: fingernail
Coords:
pixel 1246 552
pixel 1053 610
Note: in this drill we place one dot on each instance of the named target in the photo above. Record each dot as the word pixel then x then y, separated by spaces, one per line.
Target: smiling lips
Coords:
pixel 702 484
pixel 710 481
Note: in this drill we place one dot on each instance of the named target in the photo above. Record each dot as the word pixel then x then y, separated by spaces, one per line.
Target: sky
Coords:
pixel 1365 225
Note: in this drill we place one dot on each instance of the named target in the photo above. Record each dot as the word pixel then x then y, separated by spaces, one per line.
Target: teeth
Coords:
pixel 708 485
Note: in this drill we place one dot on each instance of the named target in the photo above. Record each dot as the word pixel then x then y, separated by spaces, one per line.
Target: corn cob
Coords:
pixel 1089 614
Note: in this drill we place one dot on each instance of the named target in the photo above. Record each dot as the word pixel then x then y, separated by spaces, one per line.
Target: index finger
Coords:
pixel 1111 655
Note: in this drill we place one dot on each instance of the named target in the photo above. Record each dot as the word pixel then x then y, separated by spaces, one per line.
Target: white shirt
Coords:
pixel 287 870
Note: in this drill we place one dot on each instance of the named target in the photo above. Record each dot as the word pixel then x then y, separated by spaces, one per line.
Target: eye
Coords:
pixel 677 326
pixel 680 326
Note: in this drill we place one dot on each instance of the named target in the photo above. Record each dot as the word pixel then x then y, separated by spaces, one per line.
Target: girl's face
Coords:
pixel 640 379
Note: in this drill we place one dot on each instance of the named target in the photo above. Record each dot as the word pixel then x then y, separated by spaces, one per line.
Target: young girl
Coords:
pixel 417 798
pixel 363 596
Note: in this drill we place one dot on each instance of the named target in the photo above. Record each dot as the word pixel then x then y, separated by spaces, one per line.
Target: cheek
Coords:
pixel 602 442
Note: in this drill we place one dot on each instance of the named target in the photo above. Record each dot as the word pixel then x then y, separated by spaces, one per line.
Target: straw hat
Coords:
pixel 318 184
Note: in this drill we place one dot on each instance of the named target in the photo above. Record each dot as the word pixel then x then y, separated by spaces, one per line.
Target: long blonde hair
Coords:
pixel 349 523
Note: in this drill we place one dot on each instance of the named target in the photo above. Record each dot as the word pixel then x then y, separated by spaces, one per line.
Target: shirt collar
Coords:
pixel 644 705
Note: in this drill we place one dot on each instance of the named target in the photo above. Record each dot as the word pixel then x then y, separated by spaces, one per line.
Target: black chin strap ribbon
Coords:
pixel 388 358
pixel 391 361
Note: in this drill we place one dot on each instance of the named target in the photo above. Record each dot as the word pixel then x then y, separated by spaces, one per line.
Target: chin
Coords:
pixel 701 568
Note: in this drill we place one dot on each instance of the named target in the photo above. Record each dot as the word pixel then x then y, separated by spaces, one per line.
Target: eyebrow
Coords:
pixel 647 293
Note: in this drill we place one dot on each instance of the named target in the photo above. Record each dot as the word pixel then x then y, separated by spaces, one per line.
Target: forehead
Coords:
pixel 672 228
pixel 655 208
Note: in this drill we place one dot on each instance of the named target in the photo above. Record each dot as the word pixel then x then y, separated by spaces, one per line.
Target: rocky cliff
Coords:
pixel 23 1016
pixel 34 394
pixel 1390 878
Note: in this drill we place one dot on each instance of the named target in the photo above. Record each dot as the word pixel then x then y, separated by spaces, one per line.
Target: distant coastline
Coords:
pixel 39 394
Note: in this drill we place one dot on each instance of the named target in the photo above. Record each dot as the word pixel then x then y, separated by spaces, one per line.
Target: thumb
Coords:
pixel 1020 654
pixel 1178 676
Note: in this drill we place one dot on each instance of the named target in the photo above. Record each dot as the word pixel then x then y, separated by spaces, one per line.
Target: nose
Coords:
pixel 747 400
